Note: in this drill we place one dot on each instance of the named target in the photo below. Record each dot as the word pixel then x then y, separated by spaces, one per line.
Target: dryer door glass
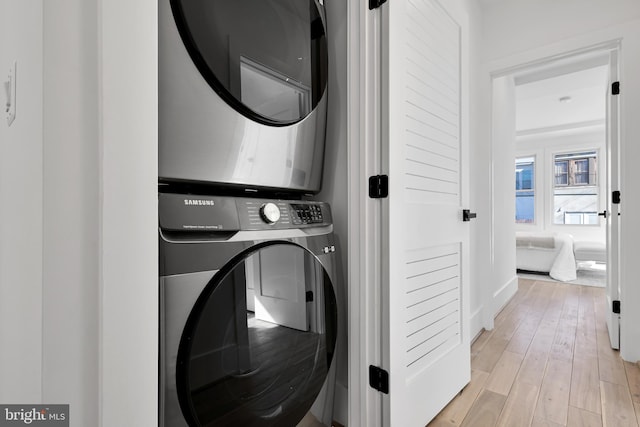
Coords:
pixel 266 58
pixel 259 341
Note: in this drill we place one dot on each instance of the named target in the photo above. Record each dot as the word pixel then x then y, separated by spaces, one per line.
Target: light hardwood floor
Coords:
pixel 547 362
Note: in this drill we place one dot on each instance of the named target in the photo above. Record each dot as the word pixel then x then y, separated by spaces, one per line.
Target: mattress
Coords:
pixel 546 252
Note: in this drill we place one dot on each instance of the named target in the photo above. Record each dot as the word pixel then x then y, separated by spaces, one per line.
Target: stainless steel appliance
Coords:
pixel 242 93
pixel 248 312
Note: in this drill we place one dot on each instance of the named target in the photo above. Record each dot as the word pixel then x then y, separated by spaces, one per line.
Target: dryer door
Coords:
pixel 266 58
pixel 259 341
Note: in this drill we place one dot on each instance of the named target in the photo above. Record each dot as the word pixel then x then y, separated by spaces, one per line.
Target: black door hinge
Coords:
pixel 615 197
pixel 615 306
pixel 374 4
pixel 379 379
pixel 309 296
pixel 615 88
pixel 378 186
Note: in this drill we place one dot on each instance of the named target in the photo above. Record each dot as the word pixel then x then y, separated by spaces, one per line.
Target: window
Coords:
pixel 575 193
pixel 525 191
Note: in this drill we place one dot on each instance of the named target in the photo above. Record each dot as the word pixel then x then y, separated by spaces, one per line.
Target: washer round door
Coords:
pixel 266 58
pixel 259 341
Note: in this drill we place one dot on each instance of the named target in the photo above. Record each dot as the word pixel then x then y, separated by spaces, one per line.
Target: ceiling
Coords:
pixel 581 78
pixel 571 100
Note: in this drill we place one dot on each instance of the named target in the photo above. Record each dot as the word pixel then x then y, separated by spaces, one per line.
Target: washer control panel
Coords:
pixel 178 212
pixel 258 214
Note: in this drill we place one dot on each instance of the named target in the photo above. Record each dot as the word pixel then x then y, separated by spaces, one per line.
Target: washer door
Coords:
pixel 266 58
pixel 259 341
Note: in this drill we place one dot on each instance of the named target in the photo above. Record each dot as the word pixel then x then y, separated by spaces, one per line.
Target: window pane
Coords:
pixel 575 196
pixel 592 218
pixel 524 176
pixel 562 173
pixel 572 218
pixel 525 194
pixel 582 172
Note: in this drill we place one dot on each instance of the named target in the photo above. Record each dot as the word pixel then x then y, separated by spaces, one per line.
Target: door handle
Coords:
pixel 603 213
pixel 467 215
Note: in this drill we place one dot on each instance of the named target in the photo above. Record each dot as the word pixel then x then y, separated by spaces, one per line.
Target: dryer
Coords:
pixel 242 93
pixel 248 312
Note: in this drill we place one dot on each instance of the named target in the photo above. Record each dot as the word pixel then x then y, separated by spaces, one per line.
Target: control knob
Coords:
pixel 270 213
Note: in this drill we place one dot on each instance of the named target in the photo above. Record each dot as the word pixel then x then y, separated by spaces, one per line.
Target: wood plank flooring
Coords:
pixel 547 362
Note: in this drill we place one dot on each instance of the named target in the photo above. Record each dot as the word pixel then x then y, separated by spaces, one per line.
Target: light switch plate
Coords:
pixel 11 93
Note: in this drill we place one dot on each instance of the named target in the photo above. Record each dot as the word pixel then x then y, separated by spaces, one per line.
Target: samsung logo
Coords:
pixel 197 202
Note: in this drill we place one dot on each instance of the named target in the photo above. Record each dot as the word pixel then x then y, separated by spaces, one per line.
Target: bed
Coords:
pixel 546 252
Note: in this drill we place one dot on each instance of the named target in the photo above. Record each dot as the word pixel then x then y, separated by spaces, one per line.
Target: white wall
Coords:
pixel 21 205
pixel 493 236
pixel 128 300
pixel 78 253
pixel 71 209
pixel 518 33
pixel 503 254
pixel 334 182
pixel 512 27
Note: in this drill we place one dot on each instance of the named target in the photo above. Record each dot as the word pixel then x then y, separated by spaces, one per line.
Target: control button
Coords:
pixel 270 213
pixel 306 214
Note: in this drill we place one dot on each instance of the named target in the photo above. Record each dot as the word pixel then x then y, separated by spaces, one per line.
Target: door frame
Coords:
pixel 612 224
pixel 612 45
pixel 364 159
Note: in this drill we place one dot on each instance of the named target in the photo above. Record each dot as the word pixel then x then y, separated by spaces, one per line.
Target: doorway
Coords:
pixel 556 121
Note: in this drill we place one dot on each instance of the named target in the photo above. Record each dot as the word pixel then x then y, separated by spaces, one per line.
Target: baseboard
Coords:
pixel 475 323
pixel 504 294
pixel 500 298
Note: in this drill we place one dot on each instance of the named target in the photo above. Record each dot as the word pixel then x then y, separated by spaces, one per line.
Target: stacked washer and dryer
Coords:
pixel 248 310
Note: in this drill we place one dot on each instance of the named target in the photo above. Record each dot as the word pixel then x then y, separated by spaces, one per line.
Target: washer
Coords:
pixel 242 93
pixel 248 312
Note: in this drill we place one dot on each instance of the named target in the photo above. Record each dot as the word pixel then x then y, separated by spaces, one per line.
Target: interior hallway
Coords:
pixel 547 362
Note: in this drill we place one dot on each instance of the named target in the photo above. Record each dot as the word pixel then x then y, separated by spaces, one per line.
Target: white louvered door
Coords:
pixel 425 283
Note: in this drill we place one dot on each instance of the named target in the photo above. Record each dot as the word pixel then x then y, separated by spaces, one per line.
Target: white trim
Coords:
pixel 502 296
pixel 615 113
pixel 364 213
pixel 546 60
pixel 476 324
pixel 572 127
pixel 128 236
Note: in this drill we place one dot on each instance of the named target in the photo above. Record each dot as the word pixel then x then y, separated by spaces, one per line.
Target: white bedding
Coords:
pixel 546 252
